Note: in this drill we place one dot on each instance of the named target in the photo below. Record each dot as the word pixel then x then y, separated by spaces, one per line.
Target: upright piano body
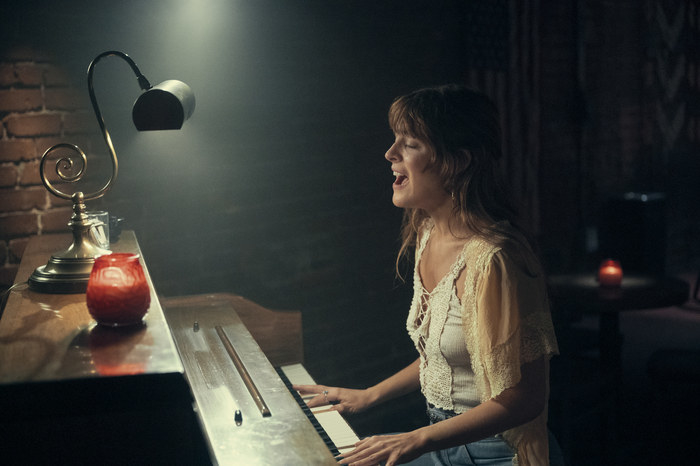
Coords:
pixel 167 392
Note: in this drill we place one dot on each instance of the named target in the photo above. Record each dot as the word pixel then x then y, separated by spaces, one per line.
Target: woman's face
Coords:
pixel 415 185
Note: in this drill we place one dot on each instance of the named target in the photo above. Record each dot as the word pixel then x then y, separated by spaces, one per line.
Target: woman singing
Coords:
pixel 479 318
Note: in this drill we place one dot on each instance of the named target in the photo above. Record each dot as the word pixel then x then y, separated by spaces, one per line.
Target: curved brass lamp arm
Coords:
pixel 143 82
pixel 165 106
pixel 66 162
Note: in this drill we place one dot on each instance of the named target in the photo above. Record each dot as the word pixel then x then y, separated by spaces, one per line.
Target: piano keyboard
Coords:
pixel 331 426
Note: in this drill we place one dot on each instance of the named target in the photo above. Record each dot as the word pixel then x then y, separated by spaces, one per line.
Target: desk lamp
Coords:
pixel 164 106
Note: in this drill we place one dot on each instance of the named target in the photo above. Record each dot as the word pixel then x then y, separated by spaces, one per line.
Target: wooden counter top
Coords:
pixel 50 337
pixel 73 392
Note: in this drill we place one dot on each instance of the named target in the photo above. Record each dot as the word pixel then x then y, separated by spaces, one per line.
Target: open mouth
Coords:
pixel 400 180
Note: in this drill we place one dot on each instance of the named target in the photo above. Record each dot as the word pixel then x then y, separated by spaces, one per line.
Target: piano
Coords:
pixel 206 380
pixel 243 401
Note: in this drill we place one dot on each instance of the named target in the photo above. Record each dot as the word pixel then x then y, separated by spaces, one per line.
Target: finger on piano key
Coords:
pixel 336 427
pixel 308 392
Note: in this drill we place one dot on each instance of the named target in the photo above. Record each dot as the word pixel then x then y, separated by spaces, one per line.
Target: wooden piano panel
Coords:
pixel 284 437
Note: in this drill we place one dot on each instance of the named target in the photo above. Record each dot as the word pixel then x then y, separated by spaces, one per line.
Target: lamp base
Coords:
pixel 61 276
pixel 68 271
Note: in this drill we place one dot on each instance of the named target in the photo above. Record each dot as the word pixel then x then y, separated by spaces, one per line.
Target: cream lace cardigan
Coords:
pixel 507 322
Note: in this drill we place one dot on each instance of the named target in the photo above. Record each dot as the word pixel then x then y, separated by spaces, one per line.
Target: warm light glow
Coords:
pixel 117 292
pixel 610 273
pixel 119 351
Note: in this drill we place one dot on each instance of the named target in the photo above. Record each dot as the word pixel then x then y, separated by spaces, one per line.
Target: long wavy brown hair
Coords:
pixel 463 128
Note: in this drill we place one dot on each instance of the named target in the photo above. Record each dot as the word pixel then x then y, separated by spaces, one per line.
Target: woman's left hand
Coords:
pixel 385 449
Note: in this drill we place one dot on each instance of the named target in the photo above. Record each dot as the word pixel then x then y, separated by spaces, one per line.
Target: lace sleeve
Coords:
pixel 511 322
pixel 507 322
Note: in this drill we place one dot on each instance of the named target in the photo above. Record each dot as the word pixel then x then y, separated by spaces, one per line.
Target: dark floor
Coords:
pixel 656 425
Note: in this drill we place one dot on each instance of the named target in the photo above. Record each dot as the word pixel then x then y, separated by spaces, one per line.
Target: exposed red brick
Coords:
pixel 29 74
pixel 15 150
pixel 63 99
pixel 30 174
pixel 8 75
pixel 56 76
pixel 16 249
pixel 80 122
pixel 15 200
pixel 56 182
pixel 17 225
pixel 56 221
pixel 7 275
pixel 20 100
pixel 43 143
pixel 30 170
pixel 26 74
pixel 34 125
pixel 8 176
pixel 55 201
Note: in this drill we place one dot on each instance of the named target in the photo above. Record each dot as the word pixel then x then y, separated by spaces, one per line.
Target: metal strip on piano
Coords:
pixel 284 437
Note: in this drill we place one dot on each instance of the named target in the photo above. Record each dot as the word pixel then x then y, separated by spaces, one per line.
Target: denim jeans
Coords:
pixel 489 451
pixel 492 451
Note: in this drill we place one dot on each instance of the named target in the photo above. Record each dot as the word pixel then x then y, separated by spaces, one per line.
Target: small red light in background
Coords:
pixel 610 273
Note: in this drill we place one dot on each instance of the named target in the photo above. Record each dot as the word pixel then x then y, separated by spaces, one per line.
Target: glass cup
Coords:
pixel 117 292
pixel 100 227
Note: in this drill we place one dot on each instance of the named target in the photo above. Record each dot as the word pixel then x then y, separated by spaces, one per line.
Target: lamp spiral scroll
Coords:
pixel 64 163
pixel 165 106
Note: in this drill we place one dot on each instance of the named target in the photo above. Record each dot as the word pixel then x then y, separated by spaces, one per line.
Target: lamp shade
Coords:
pixel 164 106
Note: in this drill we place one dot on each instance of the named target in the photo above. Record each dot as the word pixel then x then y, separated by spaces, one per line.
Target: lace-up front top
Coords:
pixel 471 351
pixel 446 376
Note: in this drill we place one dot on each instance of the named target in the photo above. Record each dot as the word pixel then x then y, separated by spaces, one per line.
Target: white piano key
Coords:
pixel 298 375
pixel 337 428
pixel 332 422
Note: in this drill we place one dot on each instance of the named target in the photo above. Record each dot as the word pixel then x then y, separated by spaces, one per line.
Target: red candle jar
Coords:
pixel 610 273
pixel 117 292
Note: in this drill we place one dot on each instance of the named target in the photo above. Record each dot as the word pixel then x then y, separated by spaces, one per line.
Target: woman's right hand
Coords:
pixel 343 400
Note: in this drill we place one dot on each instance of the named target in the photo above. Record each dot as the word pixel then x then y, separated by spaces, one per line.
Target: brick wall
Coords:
pixel 38 107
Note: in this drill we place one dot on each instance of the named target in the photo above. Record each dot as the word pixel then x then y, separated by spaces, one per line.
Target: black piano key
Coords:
pixel 307 411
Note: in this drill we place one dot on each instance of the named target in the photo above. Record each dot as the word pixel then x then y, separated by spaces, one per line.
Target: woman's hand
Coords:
pixel 343 400
pixel 386 449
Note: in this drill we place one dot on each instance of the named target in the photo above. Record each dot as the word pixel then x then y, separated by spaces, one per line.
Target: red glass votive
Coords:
pixel 117 292
pixel 610 273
